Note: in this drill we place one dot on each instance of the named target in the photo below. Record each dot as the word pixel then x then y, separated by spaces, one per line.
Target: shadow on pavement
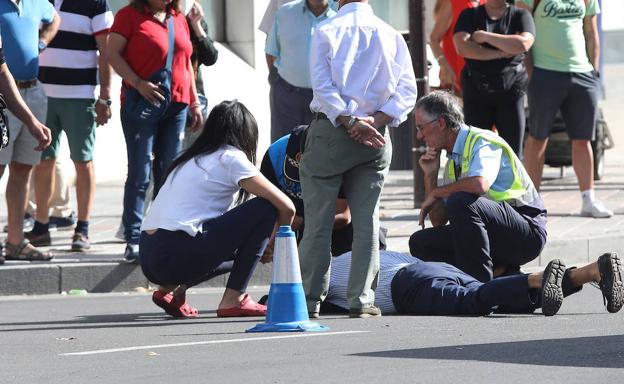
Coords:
pixel 585 352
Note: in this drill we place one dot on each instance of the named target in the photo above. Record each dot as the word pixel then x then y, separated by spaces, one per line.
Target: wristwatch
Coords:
pixel 42 45
pixel 106 102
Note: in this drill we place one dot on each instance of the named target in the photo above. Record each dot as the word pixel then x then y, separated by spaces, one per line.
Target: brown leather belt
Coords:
pixel 24 84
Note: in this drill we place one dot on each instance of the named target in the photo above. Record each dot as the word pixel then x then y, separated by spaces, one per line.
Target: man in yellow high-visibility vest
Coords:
pixel 496 218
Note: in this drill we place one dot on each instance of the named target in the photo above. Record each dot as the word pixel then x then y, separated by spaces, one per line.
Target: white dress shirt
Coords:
pixel 389 264
pixel 360 65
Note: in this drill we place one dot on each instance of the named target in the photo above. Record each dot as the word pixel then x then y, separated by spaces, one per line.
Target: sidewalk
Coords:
pixel 572 238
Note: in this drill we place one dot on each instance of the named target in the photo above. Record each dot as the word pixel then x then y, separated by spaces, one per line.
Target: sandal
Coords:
pixel 174 306
pixel 21 252
pixel 247 307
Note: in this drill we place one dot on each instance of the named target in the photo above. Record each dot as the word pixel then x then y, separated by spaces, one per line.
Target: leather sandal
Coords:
pixel 22 252
pixel 174 306
pixel 247 307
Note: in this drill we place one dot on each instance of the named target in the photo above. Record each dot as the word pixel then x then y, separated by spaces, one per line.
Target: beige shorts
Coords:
pixel 22 143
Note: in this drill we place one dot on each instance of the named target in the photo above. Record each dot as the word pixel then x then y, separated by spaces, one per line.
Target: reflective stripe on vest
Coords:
pixel 516 190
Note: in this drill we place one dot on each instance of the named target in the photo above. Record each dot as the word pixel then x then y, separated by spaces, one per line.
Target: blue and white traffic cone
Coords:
pixel 286 310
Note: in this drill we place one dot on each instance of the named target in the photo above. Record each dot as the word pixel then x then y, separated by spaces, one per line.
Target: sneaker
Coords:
pixel 80 242
pixel 39 240
pixel 611 284
pixel 29 223
pixel 552 293
pixel 365 312
pixel 131 254
pixel 596 210
pixel 68 222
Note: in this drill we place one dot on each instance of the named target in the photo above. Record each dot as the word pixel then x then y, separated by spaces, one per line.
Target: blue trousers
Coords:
pixel 440 289
pixel 480 233
pixel 151 147
pixel 241 235
pixel 290 107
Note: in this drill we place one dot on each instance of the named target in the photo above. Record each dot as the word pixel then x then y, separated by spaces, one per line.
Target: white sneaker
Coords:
pixel 595 209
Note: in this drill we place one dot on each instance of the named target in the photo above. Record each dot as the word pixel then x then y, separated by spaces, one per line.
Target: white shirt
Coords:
pixel 360 65
pixel 269 15
pixel 200 189
pixel 389 265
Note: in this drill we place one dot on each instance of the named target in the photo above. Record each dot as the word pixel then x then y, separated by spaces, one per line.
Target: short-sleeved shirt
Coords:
pixel 269 15
pixel 147 46
pixel 19 26
pixel 514 21
pixel 289 41
pixel 200 189
pixel 560 42
pixel 490 161
pixel 68 66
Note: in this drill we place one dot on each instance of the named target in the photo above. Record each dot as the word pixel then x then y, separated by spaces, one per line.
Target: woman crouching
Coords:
pixel 192 228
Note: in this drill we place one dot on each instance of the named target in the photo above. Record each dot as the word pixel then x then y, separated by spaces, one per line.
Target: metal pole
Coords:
pixel 418 49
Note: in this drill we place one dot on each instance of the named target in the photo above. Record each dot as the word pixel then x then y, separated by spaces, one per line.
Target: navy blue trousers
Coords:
pixel 439 289
pixel 290 107
pixel 241 235
pixel 480 233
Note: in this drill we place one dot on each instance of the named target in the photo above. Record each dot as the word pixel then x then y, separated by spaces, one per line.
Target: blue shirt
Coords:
pixel 488 161
pixel 19 26
pixel 290 39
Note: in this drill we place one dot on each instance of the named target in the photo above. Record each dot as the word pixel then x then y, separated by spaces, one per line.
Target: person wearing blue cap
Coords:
pixel 195 222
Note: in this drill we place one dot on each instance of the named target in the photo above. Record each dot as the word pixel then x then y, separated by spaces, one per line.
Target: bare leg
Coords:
pixel 583 163
pixel 85 188
pixel 534 155
pixel 231 298
pixel 586 274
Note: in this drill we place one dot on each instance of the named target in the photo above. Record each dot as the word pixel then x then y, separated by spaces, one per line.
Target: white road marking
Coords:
pixel 160 346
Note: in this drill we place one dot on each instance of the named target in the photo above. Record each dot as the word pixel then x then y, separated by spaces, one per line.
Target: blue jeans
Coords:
pixel 162 140
pixel 241 235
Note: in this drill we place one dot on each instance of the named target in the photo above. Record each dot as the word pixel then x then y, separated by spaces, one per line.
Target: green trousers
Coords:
pixel 331 159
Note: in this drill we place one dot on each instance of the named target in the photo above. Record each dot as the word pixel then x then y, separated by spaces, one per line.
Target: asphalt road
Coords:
pixel 115 338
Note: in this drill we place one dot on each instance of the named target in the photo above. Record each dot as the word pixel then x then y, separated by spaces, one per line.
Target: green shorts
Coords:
pixel 77 118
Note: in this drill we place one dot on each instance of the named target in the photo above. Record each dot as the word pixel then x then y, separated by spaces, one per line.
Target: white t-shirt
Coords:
pixel 201 189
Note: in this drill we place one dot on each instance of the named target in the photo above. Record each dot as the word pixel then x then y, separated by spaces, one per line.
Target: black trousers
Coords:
pixel 481 233
pixel 503 109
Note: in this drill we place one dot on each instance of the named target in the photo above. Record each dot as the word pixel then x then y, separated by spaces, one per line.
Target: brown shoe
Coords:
pixel 80 242
pixel 42 240
pixel 365 312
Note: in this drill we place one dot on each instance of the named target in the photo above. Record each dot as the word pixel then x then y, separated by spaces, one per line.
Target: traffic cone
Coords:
pixel 286 310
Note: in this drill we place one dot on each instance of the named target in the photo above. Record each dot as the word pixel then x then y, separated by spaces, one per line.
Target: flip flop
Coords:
pixel 247 307
pixel 174 306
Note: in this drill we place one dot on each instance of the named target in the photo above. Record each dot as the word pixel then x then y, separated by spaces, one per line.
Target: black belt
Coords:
pixel 25 84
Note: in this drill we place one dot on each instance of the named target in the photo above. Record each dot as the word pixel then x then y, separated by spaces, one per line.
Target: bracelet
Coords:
pixel 352 122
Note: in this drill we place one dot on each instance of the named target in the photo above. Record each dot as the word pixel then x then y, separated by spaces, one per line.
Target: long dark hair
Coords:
pixel 229 123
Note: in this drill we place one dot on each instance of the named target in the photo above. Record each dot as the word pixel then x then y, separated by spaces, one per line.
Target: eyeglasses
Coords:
pixel 419 127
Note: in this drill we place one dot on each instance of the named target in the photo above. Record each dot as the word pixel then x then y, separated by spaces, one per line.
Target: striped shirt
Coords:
pixel 68 66
pixel 390 263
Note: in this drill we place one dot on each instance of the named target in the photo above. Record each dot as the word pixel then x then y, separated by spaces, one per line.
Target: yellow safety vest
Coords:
pixel 521 192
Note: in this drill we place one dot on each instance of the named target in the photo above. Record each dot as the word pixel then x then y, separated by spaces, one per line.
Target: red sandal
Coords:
pixel 174 306
pixel 247 307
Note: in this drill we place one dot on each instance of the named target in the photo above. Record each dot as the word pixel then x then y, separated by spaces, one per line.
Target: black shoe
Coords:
pixel 552 294
pixel 39 240
pixel 131 254
pixel 611 285
pixel 57 222
pixel 80 242
pixel 365 312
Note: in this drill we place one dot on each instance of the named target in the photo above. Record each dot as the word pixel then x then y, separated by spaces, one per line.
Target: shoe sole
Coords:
pixel 362 315
pixel 552 294
pixel 79 249
pixel 614 293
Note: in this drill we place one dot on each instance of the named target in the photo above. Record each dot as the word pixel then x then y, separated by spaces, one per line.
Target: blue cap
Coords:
pixel 285 231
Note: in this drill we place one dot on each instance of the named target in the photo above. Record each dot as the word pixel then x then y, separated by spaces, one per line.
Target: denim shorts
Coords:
pixel 575 94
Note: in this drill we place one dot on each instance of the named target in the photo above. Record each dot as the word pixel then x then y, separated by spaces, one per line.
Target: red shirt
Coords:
pixel 147 46
pixel 448 46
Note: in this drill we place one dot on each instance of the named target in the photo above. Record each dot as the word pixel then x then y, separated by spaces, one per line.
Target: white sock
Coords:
pixel 588 196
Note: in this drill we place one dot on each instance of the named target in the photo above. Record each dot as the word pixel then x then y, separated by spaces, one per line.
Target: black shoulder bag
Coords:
pixel 4 123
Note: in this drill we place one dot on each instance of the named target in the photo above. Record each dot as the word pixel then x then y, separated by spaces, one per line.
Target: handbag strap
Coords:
pixel 171 30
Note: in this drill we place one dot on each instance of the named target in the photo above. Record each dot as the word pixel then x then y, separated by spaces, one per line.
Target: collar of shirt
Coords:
pixel 328 12
pixel 458 147
pixel 355 7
